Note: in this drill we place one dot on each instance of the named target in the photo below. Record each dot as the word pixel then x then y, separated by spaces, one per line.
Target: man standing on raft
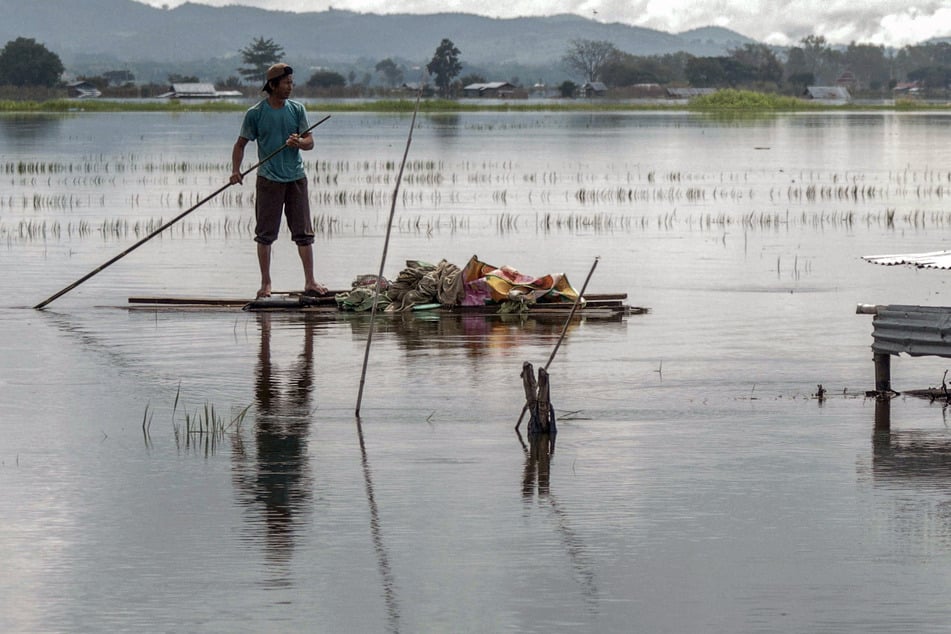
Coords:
pixel 281 182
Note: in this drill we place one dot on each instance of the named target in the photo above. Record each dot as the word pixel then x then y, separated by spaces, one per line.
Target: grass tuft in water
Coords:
pixel 203 429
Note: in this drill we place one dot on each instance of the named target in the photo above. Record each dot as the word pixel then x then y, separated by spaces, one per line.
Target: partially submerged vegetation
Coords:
pixel 378 106
pixel 204 430
pixel 67 200
pixel 104 105
pixel 745 100
pixel 723 100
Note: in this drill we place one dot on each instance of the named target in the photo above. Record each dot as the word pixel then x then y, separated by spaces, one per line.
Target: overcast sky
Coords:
pixel 889 22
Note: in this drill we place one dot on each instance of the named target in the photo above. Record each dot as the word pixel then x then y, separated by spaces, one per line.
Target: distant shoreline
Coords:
pixel 728 102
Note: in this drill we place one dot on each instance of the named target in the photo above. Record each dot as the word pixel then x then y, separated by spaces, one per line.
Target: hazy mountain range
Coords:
pixel 93 36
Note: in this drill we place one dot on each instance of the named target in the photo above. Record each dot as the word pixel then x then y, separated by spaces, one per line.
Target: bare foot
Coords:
pixel 317 288
pixel 264 291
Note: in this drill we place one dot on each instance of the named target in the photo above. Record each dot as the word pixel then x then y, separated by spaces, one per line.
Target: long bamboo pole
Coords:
pixel 168 224
pixel 574 307
pixel 564 330
pixel 386 246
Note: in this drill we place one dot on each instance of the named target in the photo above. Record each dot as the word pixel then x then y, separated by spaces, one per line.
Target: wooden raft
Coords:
pixel 596 305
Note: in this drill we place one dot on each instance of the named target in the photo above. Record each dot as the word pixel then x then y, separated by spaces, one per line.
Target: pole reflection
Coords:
pixel 376 533
pixel 537 474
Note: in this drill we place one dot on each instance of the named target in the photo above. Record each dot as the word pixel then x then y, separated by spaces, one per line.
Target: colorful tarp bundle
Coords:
pixel 484 282
pixel 446 284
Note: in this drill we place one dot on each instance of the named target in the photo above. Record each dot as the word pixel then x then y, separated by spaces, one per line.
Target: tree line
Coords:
pixel 813 61
pixel 865 68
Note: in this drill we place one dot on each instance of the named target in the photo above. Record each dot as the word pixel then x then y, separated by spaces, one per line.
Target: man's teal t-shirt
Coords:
pixel 270 127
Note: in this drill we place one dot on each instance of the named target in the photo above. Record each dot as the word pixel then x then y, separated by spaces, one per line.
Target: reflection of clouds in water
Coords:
pixel 274 481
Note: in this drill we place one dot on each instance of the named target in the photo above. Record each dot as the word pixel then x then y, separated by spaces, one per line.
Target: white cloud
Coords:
pixel 777 39
pixel 889 22
pixel 915 27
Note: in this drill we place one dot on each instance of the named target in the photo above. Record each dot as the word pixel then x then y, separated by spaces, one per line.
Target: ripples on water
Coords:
pixel 697 485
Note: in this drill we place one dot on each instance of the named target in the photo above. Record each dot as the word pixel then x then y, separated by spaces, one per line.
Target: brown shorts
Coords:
pixel 272 198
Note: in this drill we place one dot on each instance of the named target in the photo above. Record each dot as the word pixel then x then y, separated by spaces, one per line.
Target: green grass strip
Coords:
pixel 721 101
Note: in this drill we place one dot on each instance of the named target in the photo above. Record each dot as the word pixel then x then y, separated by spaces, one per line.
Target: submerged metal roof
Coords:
pixel 913 330
pixel 931 260
pixel 828 93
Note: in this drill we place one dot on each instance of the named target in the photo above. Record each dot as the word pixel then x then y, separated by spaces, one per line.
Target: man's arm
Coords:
pixel 305 142
pixel 237 155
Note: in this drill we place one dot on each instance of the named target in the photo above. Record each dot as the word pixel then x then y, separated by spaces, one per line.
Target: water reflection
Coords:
pixel 912 453
pixel 275 481
pixel 537 474
pixel 376 532
pixel 916 462
pixel 444 125
pixel 919 454
pixel 21 130
pixel 478 335
pixel 538 455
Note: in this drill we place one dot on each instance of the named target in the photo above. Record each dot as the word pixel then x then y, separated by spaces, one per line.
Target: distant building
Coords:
pixel 541 90
pixel 846 79
pixel 907 88
pixel 413 87
pixel 82 90
pixel 593 89
pixel 491 90
pixel 828 93
pixel 643 90
pixel 199 91
pixel 118 77
pixel 689 93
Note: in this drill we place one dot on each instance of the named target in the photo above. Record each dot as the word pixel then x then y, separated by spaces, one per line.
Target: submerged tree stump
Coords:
pixel 531 386
pixel 538 401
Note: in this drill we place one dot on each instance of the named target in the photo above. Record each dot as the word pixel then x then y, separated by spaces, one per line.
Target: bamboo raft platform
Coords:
pixel 605 305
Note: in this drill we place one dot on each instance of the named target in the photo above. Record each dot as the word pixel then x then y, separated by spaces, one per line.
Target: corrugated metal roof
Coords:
pixel 492 85
pixel 829 93
pixel 930 260
pixel 194 89
pixel 913 330
pixel 684 93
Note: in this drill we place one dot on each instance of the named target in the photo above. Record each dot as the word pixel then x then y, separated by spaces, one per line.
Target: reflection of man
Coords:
pixel 278 478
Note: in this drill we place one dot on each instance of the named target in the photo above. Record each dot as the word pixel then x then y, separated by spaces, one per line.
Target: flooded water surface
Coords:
pixel 173 470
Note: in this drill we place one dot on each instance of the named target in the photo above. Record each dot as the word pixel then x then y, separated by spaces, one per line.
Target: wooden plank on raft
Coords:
pixel 236 302
pixel 187 301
